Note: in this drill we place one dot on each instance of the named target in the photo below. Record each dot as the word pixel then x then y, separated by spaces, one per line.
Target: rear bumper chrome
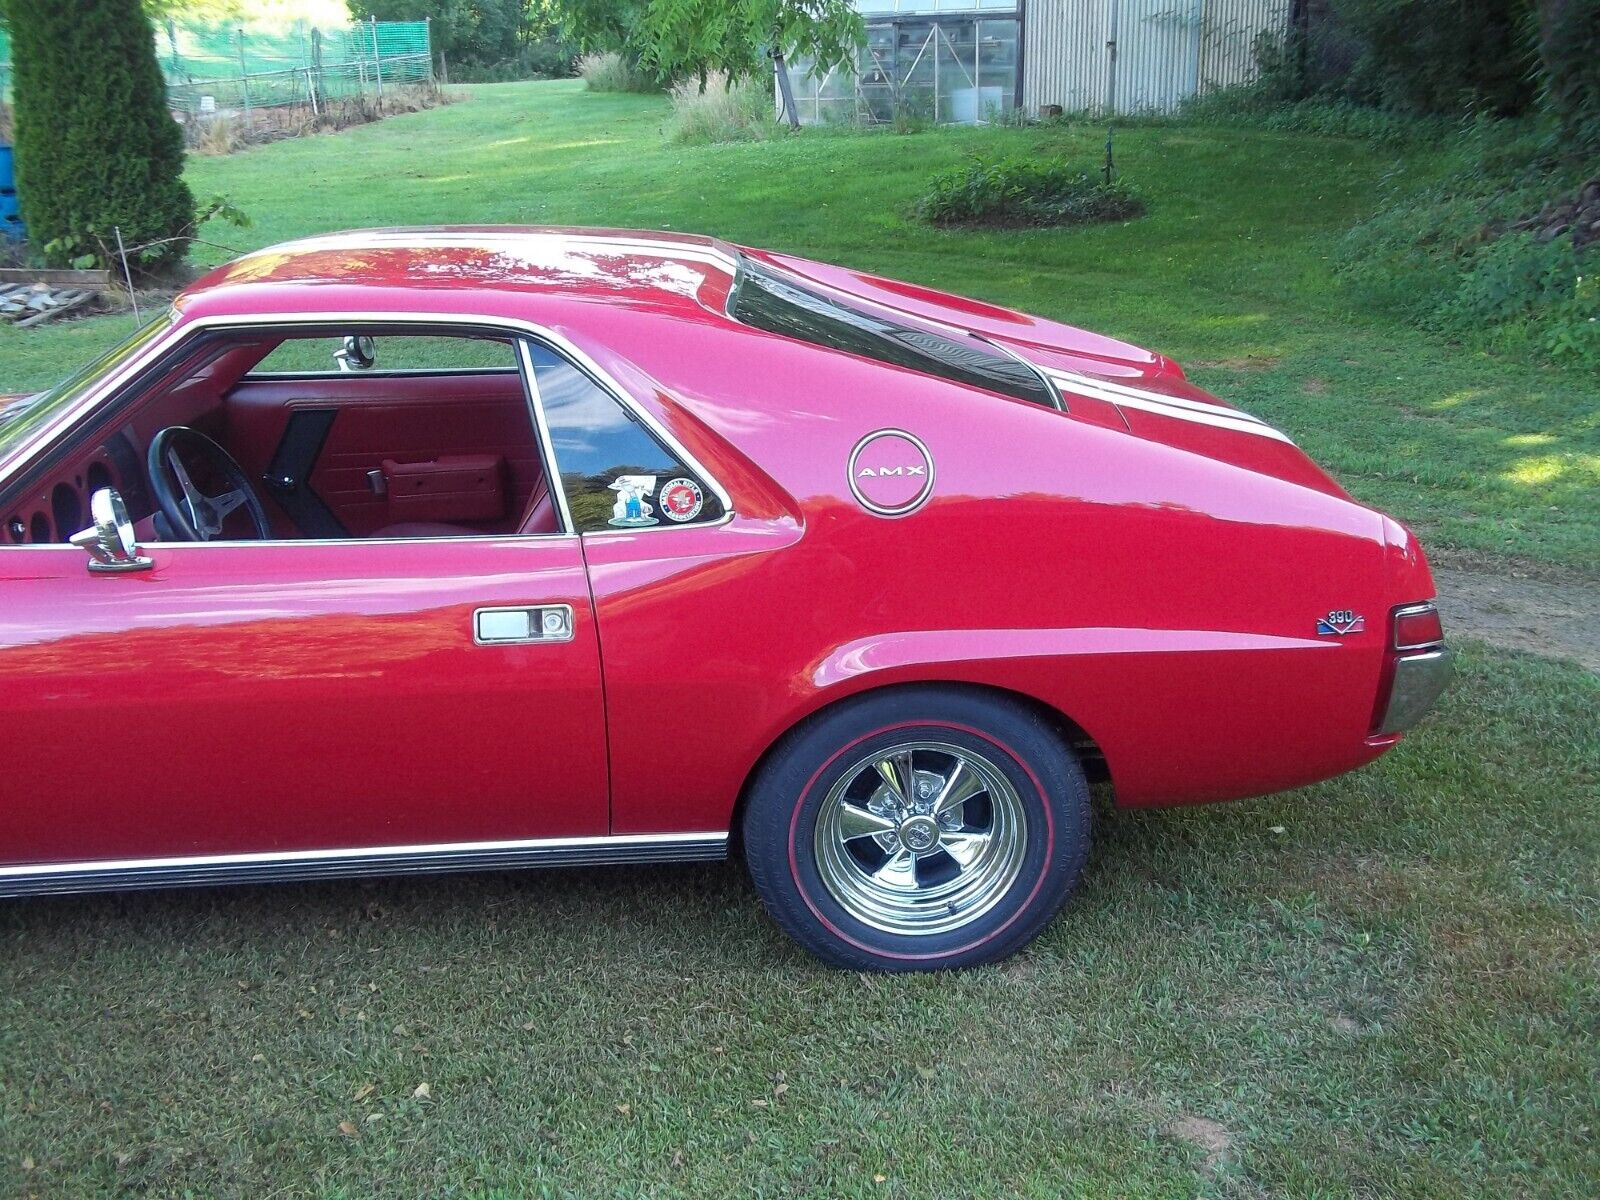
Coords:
pixel 1419 681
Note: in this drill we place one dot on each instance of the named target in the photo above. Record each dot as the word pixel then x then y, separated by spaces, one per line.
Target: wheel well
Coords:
pixel 1068 730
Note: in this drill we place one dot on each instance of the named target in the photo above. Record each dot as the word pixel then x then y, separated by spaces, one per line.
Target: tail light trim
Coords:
pixel 1426 609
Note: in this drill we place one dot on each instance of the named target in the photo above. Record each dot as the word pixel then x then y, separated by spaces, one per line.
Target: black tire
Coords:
pixel 1015 745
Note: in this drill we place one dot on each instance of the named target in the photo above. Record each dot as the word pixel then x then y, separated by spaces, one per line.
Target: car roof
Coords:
pixel 672 270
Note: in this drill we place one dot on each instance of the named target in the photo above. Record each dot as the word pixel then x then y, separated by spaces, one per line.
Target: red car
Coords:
pixel 464 548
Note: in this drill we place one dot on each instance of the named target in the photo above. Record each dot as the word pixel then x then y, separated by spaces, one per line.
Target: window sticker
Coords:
pixel 681 499
pixel 630 510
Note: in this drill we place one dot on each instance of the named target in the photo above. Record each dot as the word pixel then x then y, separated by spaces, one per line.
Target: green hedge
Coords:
pixel 96 147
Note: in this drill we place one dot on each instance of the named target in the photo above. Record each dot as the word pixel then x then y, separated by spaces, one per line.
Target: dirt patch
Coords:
pixel 1315 387
pixel 1208 1135
pixel 1555 617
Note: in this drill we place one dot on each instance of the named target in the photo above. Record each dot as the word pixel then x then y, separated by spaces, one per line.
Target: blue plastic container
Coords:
pixel 8 173
pixel 11 227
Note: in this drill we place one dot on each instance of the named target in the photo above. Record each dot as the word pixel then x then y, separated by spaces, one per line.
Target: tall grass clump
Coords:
pixel 742 110
pixel 610 72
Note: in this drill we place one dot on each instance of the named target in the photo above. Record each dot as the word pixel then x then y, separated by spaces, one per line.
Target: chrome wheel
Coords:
pixel 921 838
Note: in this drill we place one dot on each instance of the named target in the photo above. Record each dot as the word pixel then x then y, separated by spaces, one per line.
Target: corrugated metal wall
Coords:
pixel 1064 59
pixel 1165 51
pixel 1158 54
pixel 1227 43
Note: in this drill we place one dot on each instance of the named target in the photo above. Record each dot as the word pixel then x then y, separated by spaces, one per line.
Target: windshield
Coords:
pixel 777 304
pixel 21 419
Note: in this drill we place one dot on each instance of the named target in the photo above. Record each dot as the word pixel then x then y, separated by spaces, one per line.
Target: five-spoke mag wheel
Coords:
pixel 920 837
pixel 918 828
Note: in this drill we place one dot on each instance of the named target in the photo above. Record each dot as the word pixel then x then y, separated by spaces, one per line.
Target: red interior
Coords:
pixel 406 420
pixel 456 452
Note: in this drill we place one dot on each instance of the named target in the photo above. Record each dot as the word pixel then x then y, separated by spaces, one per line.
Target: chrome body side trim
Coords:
pixel 41 879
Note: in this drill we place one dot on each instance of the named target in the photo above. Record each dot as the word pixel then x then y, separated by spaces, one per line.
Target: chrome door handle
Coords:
pixel 515 626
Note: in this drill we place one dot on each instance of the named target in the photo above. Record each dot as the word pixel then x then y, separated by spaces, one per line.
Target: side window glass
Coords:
pixel 391 353
pixel 617 475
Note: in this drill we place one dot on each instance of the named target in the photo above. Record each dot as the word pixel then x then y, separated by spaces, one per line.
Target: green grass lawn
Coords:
pixel 1381 986
pixel 1228 273
pixel 1385 985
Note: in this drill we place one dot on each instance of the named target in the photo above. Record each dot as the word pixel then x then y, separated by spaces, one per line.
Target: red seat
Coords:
pixel 539 516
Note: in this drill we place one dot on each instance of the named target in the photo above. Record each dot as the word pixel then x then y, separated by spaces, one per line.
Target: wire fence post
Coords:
pixel 316 62
pixel 244 78
pixel 428 45
pixel 305 66
pixel 127 274
pixel 377 62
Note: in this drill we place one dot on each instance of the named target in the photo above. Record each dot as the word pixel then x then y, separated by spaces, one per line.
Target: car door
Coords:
pixel 280 698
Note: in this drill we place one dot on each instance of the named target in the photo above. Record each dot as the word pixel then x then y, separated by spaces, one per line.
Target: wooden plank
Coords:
pixel 79 299
pixel 58 278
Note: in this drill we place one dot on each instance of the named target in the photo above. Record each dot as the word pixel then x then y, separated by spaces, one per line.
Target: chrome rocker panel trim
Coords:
pixel 60 879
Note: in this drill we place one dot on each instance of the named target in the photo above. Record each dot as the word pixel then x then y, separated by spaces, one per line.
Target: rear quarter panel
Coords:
pixel 1163 602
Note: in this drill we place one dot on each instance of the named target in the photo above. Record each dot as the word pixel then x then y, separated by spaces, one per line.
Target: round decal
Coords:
pixel 891 473
pixel 681 499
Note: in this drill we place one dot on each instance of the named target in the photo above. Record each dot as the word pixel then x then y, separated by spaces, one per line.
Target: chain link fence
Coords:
pixel 258 79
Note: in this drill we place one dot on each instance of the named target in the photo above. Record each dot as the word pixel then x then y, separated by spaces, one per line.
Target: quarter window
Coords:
pixel 616 473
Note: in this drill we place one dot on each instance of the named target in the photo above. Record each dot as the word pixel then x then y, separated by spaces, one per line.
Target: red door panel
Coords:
pixel 405 419
pixel 252 698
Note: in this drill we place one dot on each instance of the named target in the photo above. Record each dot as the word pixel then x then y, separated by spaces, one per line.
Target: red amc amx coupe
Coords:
pixel 466 548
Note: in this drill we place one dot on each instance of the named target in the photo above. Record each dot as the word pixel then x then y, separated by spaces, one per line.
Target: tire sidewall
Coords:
pixel 1013 740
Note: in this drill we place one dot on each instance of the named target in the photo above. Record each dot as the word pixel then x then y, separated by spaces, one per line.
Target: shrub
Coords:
pixel 1018 191
pixel 1500 253
pixel 743 110
pixel 610 72
pixel 96 147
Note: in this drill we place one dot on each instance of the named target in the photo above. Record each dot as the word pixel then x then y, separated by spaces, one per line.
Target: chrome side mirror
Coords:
pixel 110 541
pixel 358 353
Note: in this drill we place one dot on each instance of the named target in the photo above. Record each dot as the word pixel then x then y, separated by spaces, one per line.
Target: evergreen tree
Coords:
pixel 96 147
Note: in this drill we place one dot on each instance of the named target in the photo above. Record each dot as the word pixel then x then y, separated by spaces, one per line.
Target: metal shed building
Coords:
pixel 973 60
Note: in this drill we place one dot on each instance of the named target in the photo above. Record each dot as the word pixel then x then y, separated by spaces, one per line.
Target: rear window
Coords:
pixel 766 300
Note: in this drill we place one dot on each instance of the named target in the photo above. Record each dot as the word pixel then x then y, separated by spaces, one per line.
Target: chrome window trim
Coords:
pixel 178 331
pixel 547 447
pixel 199 870
pixel 1049 384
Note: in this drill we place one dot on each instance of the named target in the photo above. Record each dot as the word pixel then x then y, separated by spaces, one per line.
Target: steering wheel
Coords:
pixel 195 516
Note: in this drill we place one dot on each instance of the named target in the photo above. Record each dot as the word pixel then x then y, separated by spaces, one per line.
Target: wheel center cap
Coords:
pixel 919 833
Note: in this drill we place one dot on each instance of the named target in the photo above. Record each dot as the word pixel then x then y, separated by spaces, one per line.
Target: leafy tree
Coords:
pixel 1569 54
pixel 599 25
pixel 469 31
pixel 675 38
pixel 96 147
pixel 1433 56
